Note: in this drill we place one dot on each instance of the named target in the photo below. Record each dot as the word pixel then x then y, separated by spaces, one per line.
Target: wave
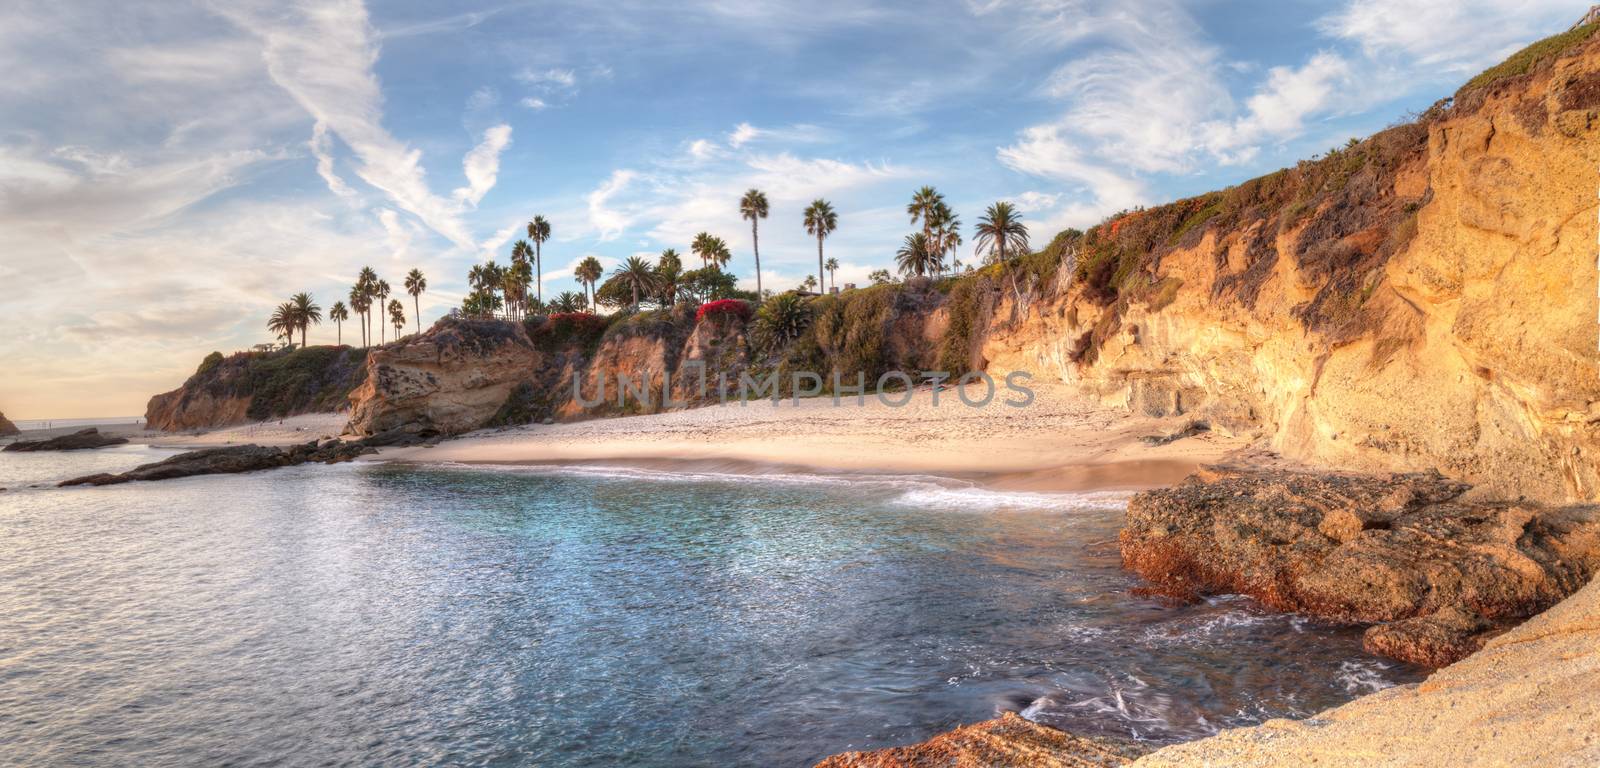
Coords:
pixel 911 490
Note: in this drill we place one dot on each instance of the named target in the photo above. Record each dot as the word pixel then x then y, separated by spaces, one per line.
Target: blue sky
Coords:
pixel 171 170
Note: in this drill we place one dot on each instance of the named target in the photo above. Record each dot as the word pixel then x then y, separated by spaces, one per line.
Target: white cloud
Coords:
pixel 560 79
pixel 482 165
pixel 1447 37
pixel 322 148
pixel 1279 109
pixel 742 134
pixel 534 103
pixel 702 149
pixel 606 220
pixel 323 57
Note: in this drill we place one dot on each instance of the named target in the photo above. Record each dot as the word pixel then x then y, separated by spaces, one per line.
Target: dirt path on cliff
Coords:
pixel 1058 442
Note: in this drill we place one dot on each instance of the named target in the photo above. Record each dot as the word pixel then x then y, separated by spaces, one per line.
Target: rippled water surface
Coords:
pixel 385 615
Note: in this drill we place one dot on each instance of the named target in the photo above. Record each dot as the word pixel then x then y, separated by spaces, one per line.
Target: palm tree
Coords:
pixel 517 277
pixel 821 221
pixel 916 256
pixel 720 255
pixel 306 313
pixel 832 266
pixel 999 230
pixel 703 245
pixel 415 285
pixel 753 206
pixel 358 305
pixel 538 232
pixel 521 254
pixel 925 204
pixel 338 314
pixel 569 302
pixel 944 232
pixel 367 282
pixel 589 273
pixel 397 317
pixel 381 293
pixel 669 273
pixel 637 275
pixel 283 323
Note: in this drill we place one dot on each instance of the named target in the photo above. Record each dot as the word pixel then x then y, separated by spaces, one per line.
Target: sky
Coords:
pixel 172 170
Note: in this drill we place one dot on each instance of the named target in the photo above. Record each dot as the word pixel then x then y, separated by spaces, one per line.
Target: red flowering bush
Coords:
pixel 724 308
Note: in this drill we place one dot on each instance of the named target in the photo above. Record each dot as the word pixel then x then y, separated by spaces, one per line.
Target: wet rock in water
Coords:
pixel 83 439
pixel 1008 740
pixel 1439 575
pixel 231 460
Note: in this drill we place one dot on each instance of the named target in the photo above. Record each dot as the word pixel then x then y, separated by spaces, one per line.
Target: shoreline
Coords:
pixel 1060 444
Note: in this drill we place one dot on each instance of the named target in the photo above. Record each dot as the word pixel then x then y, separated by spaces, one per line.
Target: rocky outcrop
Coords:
pixel 451 379
pixel 82 440
pixel 7 429
pixel 1008 740
pixel 1442 575
pixel 229 460
pixel 255 386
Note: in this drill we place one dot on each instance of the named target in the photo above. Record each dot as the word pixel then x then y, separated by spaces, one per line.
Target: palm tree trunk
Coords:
pixel 416 306
pixel 755 245
pixel 635 295
pixel 303 337
pixel 819 262
pixel 340 325
pixel 538 270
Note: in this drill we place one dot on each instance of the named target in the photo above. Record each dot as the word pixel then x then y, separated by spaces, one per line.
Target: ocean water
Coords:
pixel 380 615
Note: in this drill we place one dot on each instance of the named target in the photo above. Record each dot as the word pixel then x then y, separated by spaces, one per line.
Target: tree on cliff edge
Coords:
pixel 753 206
pixel 415 285
pixel 306 314
pixel 821 221
pixel 338 314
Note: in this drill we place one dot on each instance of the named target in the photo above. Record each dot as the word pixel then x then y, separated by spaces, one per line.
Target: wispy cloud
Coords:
pixel 482 164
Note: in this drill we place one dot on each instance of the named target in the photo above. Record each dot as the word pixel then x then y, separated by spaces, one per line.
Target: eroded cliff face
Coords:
pixel 7 429
pixel 1436 310
pixel 253 386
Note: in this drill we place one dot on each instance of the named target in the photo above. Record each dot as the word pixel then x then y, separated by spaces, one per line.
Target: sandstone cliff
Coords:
pixel 252 386
pixel 1422 299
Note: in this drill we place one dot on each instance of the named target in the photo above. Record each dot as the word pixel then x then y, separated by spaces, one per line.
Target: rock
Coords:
pixel 1008 740
pixel 1187 430
pixel 83 439
pixel 7 429
pixel 230 460
pixel 1440 574
pixel 451 379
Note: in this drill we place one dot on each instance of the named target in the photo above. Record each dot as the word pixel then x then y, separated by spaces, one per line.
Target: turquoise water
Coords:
pixel 386 615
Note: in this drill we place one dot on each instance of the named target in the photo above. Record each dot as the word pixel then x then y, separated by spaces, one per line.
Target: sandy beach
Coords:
pixel 1060 442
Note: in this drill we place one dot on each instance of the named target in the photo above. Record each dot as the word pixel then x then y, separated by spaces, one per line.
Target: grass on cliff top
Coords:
pixel 1531 58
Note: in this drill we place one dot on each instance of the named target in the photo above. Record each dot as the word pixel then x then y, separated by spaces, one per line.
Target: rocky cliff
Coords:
pixel 7 429
pixel 1421 299
pixel 252 386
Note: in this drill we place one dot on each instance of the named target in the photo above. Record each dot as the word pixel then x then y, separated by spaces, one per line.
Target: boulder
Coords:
pixel 1437 574
pixel 1008 740
pixel 83 439
pixel 7 429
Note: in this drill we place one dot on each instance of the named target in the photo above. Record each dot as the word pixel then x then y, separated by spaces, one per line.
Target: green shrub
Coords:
pixel 1530 58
